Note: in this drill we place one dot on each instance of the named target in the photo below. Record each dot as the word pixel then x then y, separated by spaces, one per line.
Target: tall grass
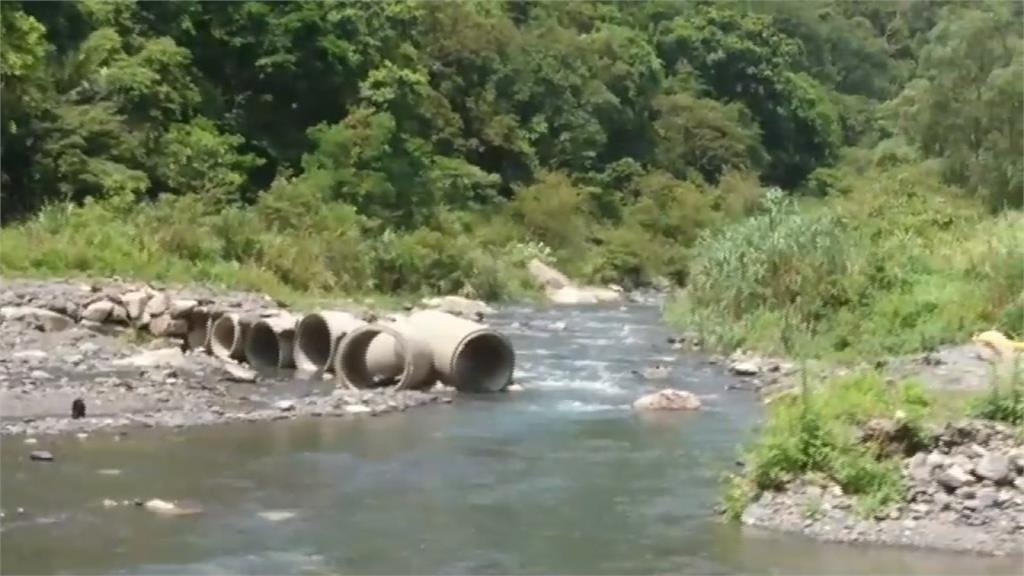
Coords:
pixel 899 264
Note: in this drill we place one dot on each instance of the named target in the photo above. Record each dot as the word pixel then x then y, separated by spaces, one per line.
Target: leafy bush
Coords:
pixel 1003 405
pixel 816 432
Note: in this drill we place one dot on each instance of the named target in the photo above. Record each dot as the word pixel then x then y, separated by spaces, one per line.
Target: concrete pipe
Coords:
pixel 317 336
pixel 388 353
pixel 467 355
pixel 270 342
pixel 199 324
pixel 228 335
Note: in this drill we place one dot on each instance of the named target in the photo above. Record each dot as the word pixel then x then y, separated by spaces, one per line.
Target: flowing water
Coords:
pixel 560 478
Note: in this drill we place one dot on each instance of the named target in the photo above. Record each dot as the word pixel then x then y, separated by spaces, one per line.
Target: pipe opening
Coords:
pixel 356 368
pixel 199 326
pixel 483 362
pixel 263 349
pixel 225 334
pixel 313 344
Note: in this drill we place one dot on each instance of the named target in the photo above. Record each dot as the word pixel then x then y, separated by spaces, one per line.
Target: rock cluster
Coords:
pixel 965 492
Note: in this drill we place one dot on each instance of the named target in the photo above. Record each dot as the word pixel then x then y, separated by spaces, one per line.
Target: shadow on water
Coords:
pixel 560 478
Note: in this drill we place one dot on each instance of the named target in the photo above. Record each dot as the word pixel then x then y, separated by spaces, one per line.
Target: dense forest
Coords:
pixel 759 152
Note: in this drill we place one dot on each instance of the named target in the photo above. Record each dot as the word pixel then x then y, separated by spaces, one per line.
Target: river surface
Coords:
pixel 561 478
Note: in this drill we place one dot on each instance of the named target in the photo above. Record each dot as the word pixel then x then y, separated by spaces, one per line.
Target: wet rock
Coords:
pixel 153 358
pixel 41 456
pixel 358 409
pixel 285 405
pixel 668 399
pixel 745 368
pixel 954 477
pixel 108 503
pixel 994 467
pixel 513 388
pixel 657 372
pixel 236 373
pixel 169 508
pixel 77 409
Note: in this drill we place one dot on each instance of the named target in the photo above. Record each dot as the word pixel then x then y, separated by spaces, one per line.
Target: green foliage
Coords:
pixel 898 263
pixel 1005 399
pixel 816 432
pixel 332 146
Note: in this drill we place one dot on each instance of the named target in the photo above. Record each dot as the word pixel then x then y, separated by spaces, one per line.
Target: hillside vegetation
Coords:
pixel 437 147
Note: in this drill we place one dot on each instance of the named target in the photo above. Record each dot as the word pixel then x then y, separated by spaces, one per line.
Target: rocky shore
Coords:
pixel 53 352
pixel 964 492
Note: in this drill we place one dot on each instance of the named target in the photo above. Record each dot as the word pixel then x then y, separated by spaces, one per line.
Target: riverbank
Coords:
pixel 127 378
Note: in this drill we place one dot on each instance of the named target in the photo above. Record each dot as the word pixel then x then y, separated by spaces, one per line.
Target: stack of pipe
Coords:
pixel 317 337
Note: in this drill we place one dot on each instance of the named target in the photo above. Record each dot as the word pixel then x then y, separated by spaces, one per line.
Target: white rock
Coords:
pixel 236 373
pixel 169 508
pixel 179 308
pixel 172 357
pixel 157 305
pixel 514 388
pixel 40 375
pixel 547 276
pixel 668 399
pixel 165 326
pixel 745 368
pixel 358 409
pixel 284 405
pixel 135 303
pixel 994 467
pixel 29 354
pixel 98 311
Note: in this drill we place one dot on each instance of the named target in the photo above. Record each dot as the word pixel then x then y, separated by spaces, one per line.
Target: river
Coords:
pixel 562 478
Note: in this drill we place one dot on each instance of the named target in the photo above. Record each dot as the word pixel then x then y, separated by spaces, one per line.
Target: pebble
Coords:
pixel 108 503
pixel 285 405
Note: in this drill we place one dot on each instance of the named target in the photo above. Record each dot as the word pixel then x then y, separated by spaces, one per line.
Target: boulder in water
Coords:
pixel 668 399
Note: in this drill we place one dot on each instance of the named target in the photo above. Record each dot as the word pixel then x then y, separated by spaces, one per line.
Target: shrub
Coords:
pixel 816 432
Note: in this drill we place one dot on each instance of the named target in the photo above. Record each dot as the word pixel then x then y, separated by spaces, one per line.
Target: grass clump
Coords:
pixel 1004 400
pixel 818 433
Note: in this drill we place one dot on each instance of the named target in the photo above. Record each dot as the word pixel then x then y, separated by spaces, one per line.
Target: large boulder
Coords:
pixel 668 399
pixel 458 305
pixel 994 467
pixel 582 295
pixel 547 276
pixel 47 320
pixel 98 311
